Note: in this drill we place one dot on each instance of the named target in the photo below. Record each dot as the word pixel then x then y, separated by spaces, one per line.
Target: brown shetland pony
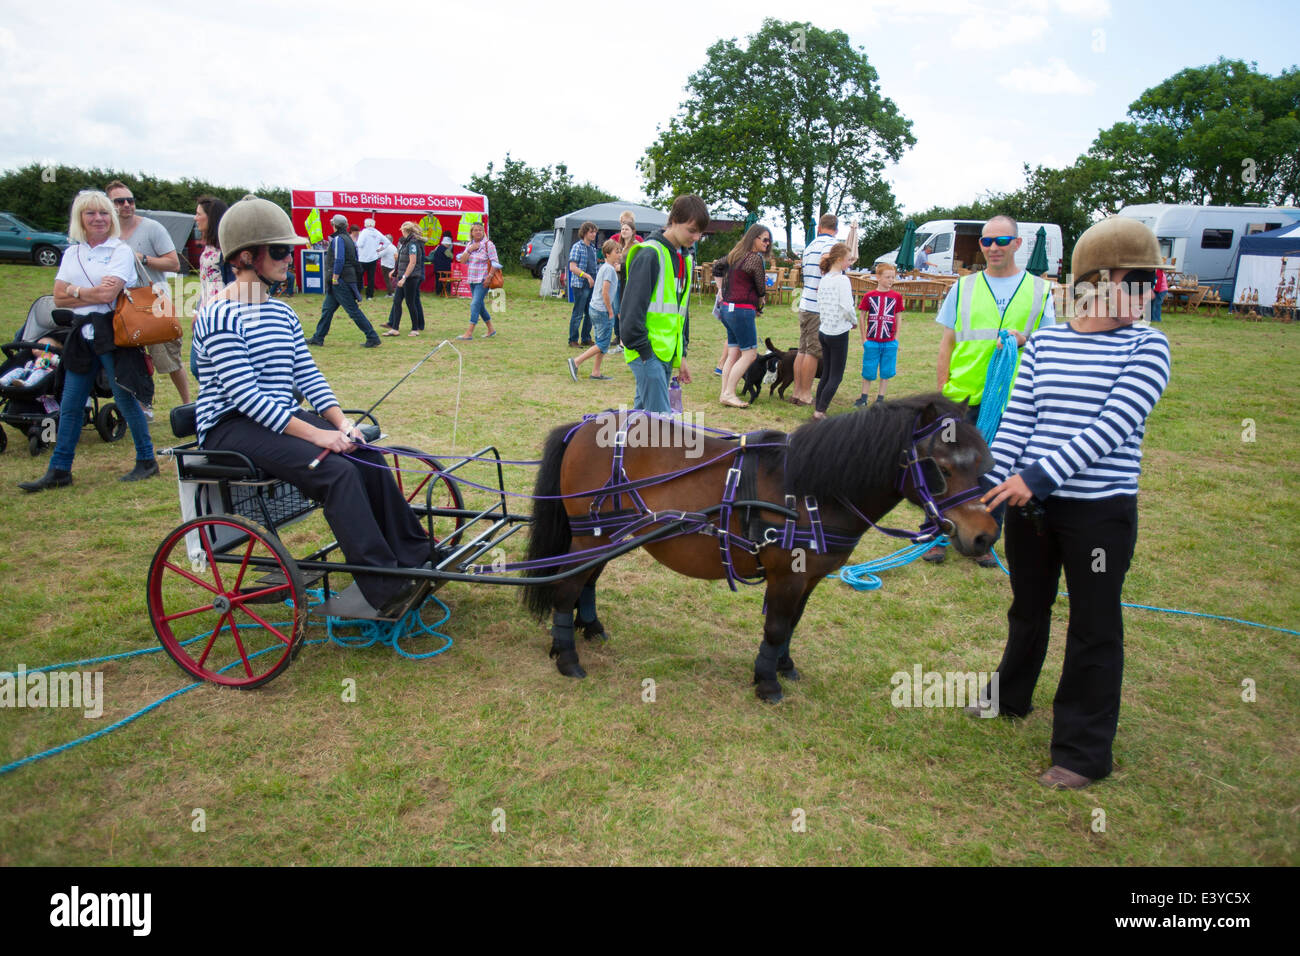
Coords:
pixel 850 459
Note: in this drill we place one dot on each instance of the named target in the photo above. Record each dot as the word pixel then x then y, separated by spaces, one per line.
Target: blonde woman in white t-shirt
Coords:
pixel 838 318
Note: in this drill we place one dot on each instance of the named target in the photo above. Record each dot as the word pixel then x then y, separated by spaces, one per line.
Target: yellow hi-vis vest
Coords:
pixel 666 314
pixel 978 324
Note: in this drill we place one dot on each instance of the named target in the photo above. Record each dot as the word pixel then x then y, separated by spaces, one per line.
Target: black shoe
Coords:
pixel 860 401
pixel 371 344
pixel 315 341
pixel 51 479
pixel 142 470
pixel 405 599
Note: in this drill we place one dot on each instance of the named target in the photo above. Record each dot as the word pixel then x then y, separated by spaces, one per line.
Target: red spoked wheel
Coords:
pixel 414 470
pixel 236 622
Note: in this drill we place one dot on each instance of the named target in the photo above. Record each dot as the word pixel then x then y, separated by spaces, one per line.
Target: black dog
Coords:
pixel 763 370
pixel 785 372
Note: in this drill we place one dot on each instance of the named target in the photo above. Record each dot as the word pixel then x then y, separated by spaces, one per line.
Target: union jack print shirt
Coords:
pixel 883 310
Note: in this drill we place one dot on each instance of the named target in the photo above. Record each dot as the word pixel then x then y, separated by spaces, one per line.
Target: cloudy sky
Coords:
pixel 291 94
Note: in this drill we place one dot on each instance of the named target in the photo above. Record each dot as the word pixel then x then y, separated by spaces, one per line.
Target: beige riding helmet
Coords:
pixel 254 221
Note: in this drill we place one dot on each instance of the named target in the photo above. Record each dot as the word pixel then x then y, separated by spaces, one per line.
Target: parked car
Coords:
pixel 536 251
pixel 18 240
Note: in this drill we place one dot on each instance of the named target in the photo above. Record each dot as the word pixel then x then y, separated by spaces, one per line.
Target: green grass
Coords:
pixel 588 773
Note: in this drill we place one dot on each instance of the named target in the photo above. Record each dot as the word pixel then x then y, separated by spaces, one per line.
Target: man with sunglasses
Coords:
pixel 155 253
pixel 252 360
pixel 976 309
pixel 1066 460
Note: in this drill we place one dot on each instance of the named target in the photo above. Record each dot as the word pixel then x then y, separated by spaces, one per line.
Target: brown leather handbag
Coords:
pixel 142 316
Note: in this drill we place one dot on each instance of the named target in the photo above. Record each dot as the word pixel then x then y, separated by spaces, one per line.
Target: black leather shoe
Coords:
pixel 315 341
pixel 51 479
pixel 371 344
pixel 142 470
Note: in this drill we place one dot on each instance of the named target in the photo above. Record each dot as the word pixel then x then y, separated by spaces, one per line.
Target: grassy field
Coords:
pixel 430 754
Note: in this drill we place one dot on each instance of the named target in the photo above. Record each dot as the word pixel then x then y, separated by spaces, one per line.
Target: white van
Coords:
pixel 950 243
pixel 1202 240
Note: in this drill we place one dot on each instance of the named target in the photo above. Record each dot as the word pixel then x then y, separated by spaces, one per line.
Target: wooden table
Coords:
pixel 1189 296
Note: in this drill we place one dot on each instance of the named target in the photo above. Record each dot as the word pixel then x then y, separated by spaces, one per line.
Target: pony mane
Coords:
pixel 848 455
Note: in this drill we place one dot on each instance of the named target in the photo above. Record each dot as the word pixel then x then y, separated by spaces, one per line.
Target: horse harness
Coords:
pixel 740 491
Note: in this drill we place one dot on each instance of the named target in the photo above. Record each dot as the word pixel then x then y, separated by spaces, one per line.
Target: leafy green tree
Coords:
pixel 1223 134
pixel 792 121
pixel 523 200
pixel 43 195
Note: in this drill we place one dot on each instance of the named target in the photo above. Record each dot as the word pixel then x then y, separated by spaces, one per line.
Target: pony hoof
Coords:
pixel 768 690
pixel 791 674
pixel 566 662
pixel 595 631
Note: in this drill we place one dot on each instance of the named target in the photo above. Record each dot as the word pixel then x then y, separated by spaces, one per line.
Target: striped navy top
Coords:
pixel 251 356
pixel 1074 424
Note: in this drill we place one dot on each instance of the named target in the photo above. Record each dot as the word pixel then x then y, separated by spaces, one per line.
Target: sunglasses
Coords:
pixel 1002 241
pixel 1140 277
pixel 124 200
pixel 279 252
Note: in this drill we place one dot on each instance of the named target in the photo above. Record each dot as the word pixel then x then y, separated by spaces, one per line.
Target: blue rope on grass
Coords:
pixel 410 625
pixel 860 578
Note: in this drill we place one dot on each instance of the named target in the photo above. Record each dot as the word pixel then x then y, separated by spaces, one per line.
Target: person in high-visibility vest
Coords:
pixel 655 305
pixel 976 309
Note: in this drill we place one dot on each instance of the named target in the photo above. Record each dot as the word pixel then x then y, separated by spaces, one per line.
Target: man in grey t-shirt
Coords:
pixel 156 254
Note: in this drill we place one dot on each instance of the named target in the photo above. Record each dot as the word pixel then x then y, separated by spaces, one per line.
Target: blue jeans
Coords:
pixel 76 389
pixel 344 294
pixel 652 375
pixel 478 292
pixel 1156 303
pixel 581 299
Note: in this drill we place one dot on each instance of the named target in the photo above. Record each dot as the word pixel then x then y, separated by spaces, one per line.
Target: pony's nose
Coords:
pixel 983 542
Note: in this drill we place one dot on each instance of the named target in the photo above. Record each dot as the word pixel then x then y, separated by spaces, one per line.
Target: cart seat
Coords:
pixel 221 464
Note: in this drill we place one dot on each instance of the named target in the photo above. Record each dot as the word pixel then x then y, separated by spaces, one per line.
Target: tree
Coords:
pixel 523 200
pixel 793 121
pixel 42 195
pixel 1223 134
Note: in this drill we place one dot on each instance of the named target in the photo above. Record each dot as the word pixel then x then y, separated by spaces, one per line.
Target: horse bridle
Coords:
pixel 925 473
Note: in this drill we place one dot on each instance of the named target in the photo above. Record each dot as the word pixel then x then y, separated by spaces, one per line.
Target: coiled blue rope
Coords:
pixel 997 385
pixel 410 625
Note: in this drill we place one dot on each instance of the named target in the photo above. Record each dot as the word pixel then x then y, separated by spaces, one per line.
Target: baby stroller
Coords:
pixel 33 409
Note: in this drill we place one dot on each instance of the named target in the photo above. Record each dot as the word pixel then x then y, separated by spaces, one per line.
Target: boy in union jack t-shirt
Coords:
pixel 882 311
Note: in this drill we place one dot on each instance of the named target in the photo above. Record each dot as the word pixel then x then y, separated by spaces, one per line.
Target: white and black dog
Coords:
pixel 762 371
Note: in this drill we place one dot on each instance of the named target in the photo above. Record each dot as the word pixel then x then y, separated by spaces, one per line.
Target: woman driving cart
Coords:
pixel 251 357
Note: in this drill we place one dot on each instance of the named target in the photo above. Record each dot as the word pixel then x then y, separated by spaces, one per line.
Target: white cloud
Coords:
pixel 988 30
pixel 1054 79
pixel 1088 9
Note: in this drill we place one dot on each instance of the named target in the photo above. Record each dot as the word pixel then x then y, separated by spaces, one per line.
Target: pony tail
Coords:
pixel 550 534
pixel 832 255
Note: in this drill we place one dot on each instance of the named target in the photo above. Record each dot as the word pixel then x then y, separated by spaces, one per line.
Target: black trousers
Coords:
pixel 363 505
pixel 1093 541
pixel 368 273
pixel 408 292
pixel 835 352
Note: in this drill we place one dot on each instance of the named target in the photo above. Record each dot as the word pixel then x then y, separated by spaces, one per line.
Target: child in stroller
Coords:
pixel 29 399
pixel 43 362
